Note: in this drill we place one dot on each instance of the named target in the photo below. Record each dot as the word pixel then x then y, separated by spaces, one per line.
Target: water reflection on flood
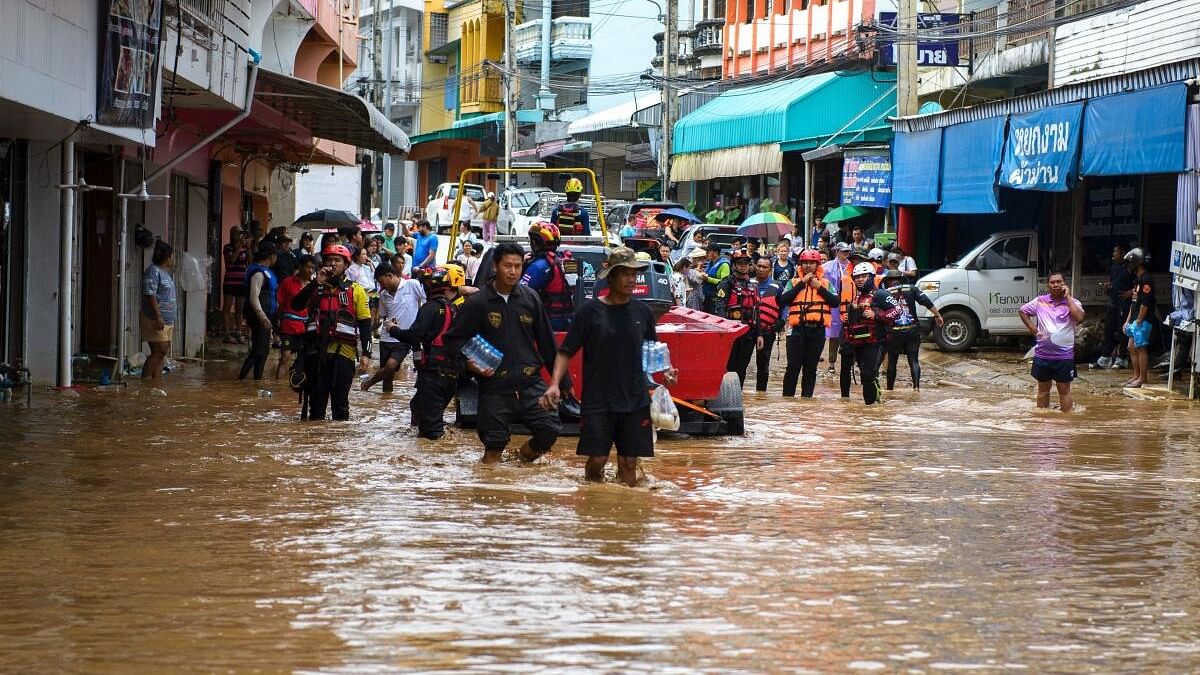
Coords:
pixel 947 529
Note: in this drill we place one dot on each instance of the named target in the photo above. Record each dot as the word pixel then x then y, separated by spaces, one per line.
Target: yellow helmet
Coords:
pixel 573 185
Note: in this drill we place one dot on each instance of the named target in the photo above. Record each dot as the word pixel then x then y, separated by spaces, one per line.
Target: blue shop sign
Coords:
pixel 1042 150
pixel 867 178
pixel 929 52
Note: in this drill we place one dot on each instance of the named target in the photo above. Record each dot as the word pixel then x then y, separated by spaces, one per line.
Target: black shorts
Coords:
pixel 632 433
pixel 238 291
pixel 291 343
pixel 1058 370
pixel 392 350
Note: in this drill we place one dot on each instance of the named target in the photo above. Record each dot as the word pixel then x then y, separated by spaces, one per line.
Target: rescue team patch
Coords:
pixel 530 371
pixel 494 319
pixel 526 319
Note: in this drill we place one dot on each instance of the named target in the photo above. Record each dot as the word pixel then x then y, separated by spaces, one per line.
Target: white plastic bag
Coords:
pixel 663 413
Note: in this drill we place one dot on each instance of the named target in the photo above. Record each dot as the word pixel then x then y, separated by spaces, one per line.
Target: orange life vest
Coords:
pixel 809 307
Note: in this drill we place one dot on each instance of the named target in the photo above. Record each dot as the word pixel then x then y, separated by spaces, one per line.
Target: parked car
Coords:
pixel 439 209
pixel 515 215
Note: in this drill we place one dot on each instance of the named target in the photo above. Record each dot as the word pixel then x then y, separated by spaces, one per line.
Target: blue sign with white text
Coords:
pixel 929 52
pixel 867 178
pixel 1042 150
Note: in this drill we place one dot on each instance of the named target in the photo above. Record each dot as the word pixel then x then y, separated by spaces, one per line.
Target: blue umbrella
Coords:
pixel 677 212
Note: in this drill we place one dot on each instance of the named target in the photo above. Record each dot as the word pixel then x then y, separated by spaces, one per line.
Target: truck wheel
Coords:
pixel 958 333
pixel 728 405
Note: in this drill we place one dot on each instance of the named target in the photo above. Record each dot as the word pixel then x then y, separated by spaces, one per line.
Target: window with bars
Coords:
pixel 439 25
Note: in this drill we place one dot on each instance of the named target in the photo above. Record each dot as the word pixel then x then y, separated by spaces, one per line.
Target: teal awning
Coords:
pixel 474 127
pixel 528 116
pixel 797 114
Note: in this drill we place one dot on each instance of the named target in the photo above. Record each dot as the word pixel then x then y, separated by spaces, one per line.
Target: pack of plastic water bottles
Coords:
pixel 482 354
pixel 656 357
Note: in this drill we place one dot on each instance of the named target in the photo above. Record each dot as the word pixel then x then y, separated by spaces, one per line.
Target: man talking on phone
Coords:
pixel 1052 318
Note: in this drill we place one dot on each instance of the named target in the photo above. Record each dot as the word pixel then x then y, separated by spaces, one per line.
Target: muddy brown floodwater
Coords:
pixel 953 529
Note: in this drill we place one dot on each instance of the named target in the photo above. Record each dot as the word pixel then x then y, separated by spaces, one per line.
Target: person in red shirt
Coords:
pixel 291 322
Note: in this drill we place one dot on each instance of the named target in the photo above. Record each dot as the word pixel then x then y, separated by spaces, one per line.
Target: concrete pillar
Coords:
pixel 66 333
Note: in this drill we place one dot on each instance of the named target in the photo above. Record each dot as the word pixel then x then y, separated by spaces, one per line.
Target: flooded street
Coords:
pixel 953 529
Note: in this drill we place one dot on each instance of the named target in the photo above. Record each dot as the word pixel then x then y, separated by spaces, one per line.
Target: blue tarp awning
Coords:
pixel 1042 150
pixel 916 167
pixel 1136 133
pixel 970 159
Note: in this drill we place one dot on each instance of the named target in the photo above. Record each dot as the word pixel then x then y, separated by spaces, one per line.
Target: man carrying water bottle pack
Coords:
pixel 615 408
pixel 511 318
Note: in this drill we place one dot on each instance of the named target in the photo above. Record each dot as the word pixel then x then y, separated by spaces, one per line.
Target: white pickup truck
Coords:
pixel 980 294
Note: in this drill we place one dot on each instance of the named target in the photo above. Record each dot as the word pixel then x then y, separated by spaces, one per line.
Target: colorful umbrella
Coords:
pixel 676 212
pixel 844 212
pixel 769 226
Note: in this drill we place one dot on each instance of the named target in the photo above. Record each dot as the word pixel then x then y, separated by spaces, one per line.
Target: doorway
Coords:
pixel 12 250
pixel 98 251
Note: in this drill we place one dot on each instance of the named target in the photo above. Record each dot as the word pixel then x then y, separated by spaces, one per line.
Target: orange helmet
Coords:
pixel 810 255
pixel 337 249
pixel 544 236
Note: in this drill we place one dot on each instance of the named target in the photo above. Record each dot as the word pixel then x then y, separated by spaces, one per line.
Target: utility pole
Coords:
pixel 906 60
pixel 386 197
pixel 670 42
pixel 509 79
pixel 545 96
pixel 376 93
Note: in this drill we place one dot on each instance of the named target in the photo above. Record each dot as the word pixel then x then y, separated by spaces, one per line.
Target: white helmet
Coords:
pixel 1135 256
pixel 863 268
pixel 875 254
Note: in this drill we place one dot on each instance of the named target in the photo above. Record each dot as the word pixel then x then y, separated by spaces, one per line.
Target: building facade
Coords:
pixel 197 134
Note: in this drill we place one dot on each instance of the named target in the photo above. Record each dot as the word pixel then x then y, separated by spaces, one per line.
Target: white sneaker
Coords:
pixel 1104 362
pixel 157 392
pixel 1120 364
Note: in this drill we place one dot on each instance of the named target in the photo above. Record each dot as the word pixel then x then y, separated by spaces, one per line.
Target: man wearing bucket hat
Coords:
pixel 615 409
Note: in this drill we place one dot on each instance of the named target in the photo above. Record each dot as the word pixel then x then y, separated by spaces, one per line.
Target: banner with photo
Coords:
pixel 129 62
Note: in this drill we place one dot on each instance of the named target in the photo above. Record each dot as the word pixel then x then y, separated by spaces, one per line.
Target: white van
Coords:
pixel 979 295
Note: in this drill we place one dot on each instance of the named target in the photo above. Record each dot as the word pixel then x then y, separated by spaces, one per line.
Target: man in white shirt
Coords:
pixel 399 300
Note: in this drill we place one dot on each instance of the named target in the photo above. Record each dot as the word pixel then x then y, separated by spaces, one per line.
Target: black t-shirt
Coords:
pixel 611 337
pixel 1143 296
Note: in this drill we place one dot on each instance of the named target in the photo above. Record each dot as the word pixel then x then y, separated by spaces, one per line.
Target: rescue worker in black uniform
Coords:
pixel 808 297
pixel 736 298
pixel 904 335
pixel 437 366
pixel 866 313
pixel 338 329
pixel 510 317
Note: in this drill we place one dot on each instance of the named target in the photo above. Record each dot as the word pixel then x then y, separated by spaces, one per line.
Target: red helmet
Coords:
pixel 544 235
pixel 810 255
pixel 337 249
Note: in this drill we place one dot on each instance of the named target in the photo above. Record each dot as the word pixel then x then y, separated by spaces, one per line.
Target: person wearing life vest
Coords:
pixel 544 273
pixel 716 270
pixel 437 367
pixel 291 322
pixel 570 217
pixel 866 315
pixel 904 334
pixel 810 301
pixel 835 272
pixel 259 309
pixel 337 333
pixel 769 321
pixel 737 299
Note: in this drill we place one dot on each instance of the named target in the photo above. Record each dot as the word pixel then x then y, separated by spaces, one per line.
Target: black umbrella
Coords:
pixel 326 218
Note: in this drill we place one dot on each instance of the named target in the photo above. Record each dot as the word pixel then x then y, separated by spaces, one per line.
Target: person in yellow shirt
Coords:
pixel 338 334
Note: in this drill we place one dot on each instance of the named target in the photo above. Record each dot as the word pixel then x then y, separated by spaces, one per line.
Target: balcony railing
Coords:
pixel 1020 12
pixel 570 40
pixel 203 20
pixel 481 86
pixel 708 39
